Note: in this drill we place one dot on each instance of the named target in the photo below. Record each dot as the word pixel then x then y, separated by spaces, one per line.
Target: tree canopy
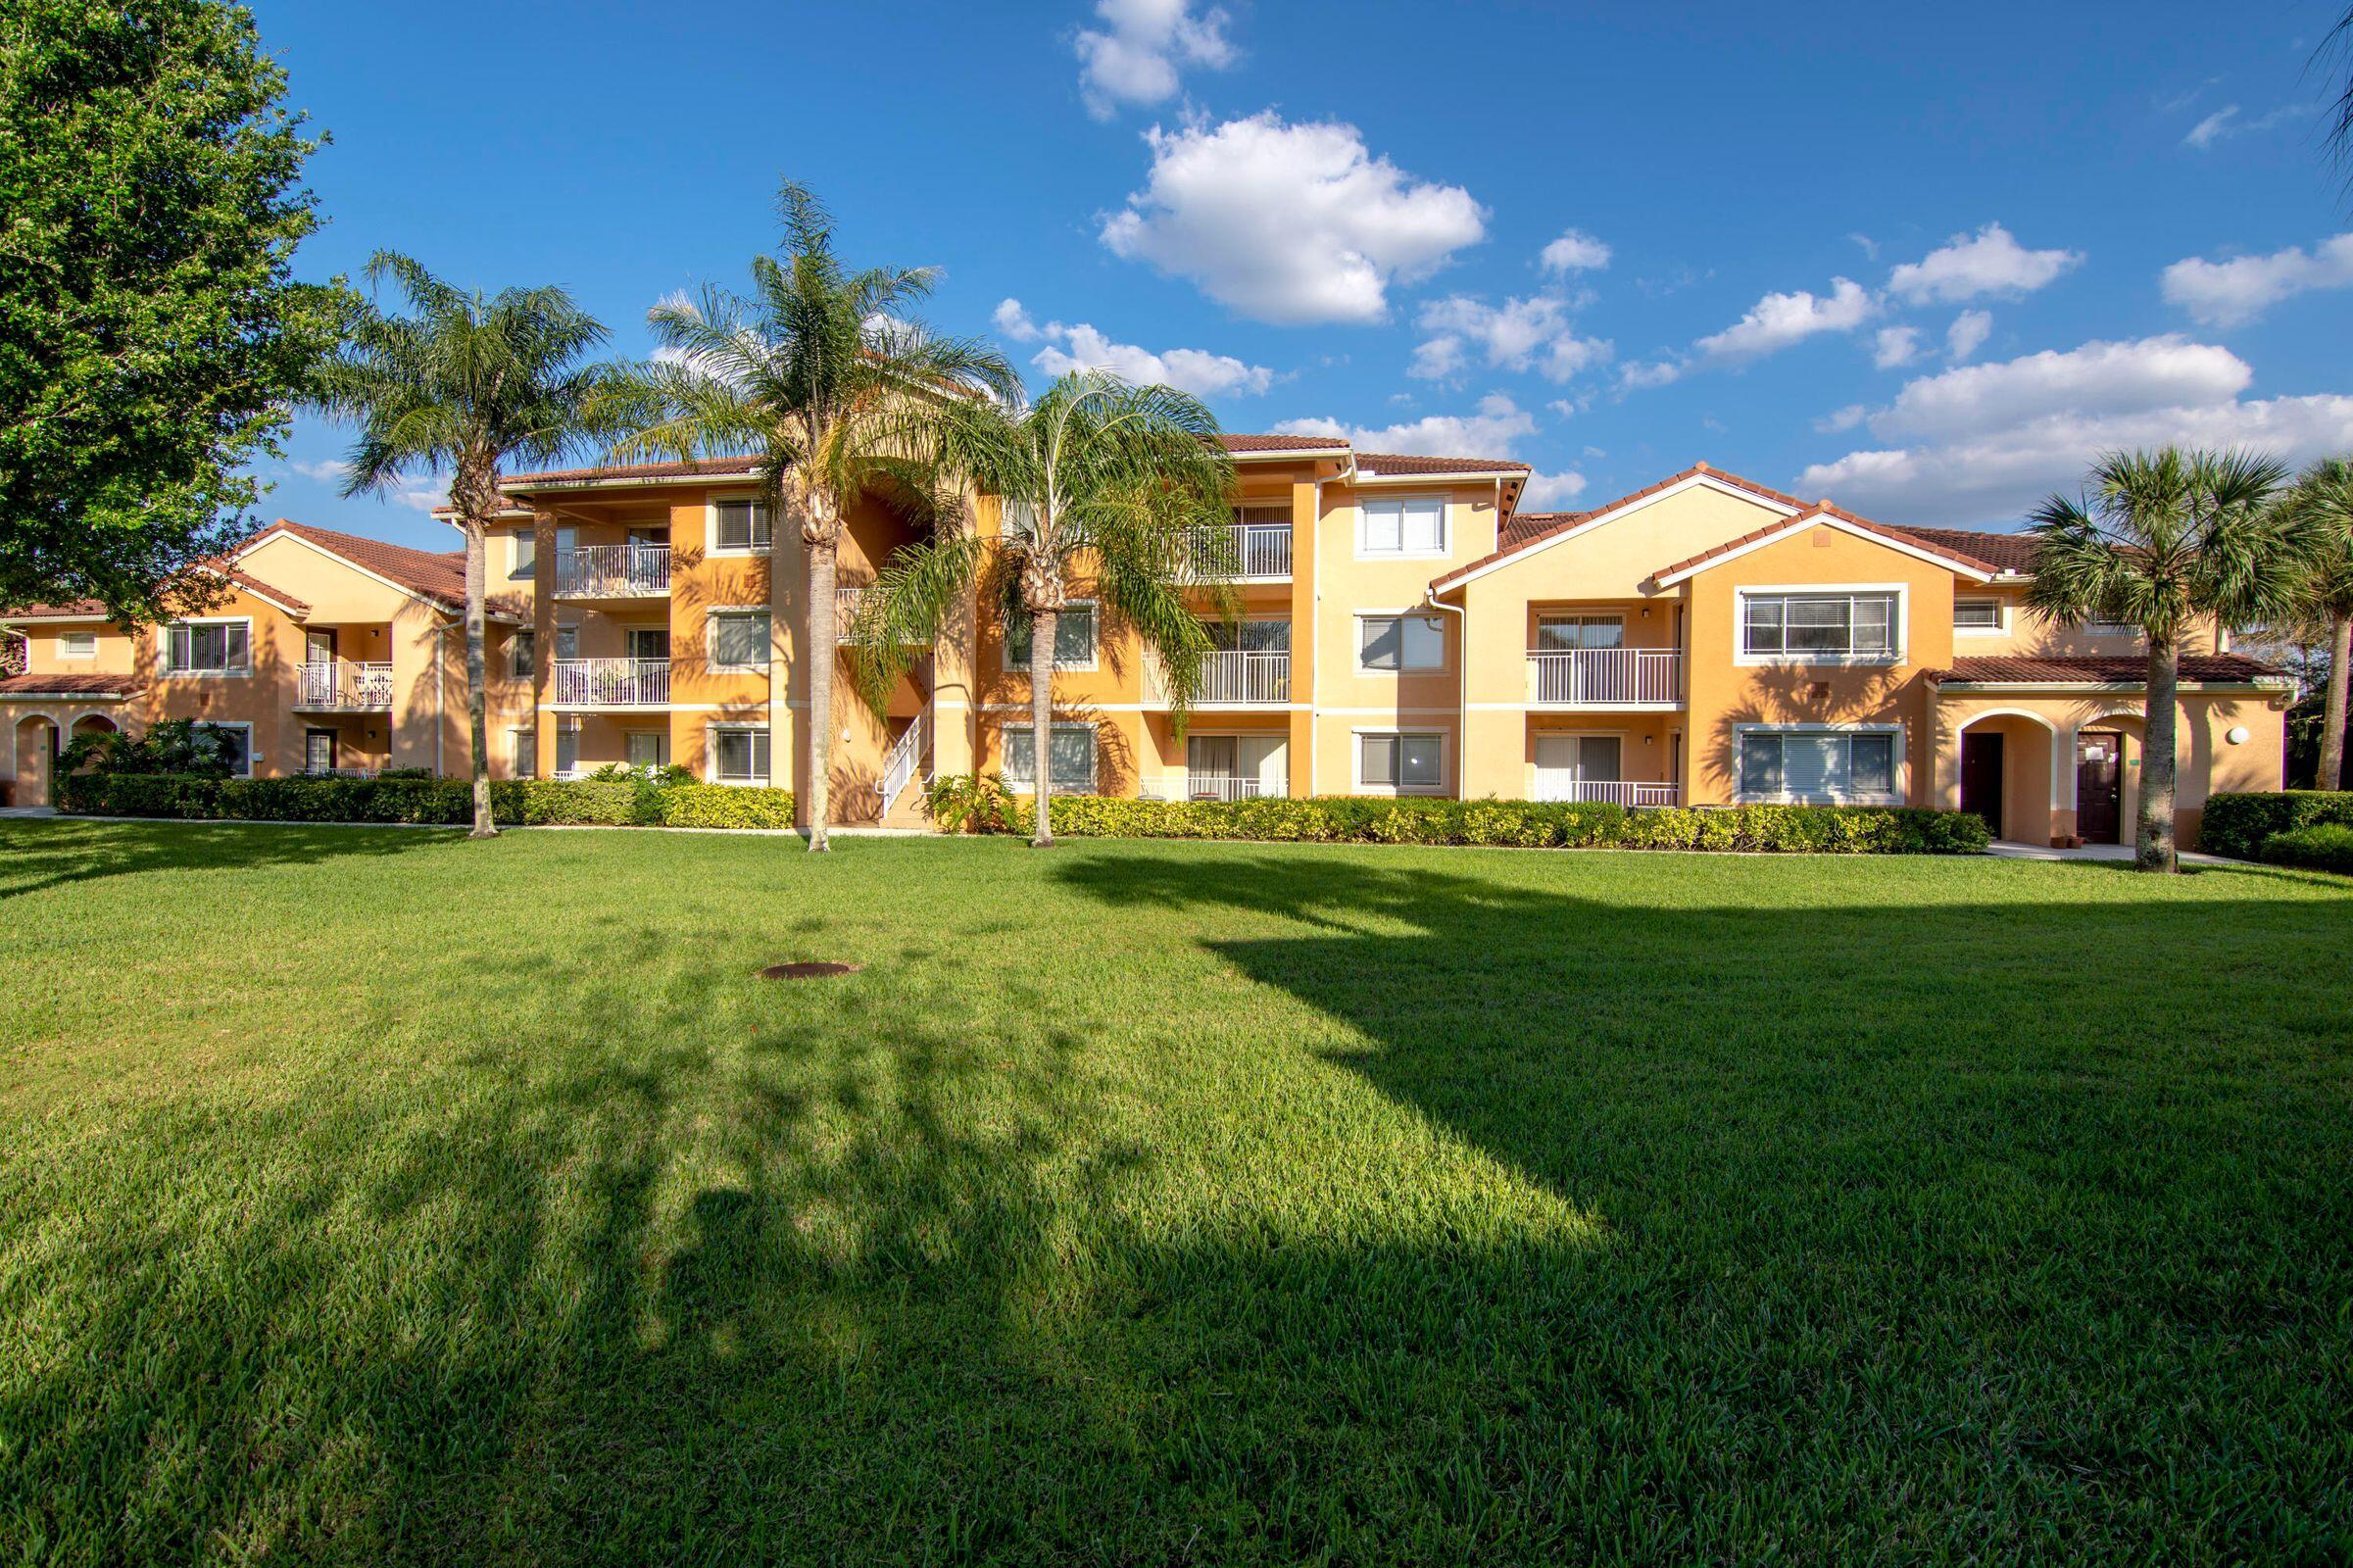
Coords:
pixel 152 332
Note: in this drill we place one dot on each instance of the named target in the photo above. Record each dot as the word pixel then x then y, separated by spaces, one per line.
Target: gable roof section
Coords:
pixel 2010 554
pixel 1391 462
pixel 1823 514
pixel 92 609
pixel 436 576
pixel 1518 537
pixel 2101 669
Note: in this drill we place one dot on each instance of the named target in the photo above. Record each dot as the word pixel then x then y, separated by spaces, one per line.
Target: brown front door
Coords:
pixel 1981 777
pixel 2099 785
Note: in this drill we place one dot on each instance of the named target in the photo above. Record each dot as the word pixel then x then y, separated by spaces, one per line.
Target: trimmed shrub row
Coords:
pixel 1537 824
pixel 2322 847
pixel 515 802
pixel 2239 825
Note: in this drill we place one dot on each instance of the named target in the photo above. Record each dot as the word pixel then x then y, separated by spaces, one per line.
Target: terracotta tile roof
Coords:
pixel 1280 443
pixel 2104 669
pixel 691 469
pixel 81 683
pixel 1824 508
pixel 435 574
pixel 1516 538
pixel 89 609
pixel 1408 463
pixel 78 609
pixel 2010 551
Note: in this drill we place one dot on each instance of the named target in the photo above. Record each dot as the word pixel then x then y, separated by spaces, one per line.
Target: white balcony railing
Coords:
pixel 1253 551
pixel 1232 676
pixel 1614 792
pixel 614 571
pixel 345 687
pixel 1606 678
pixel 614 682
pixel 340 772
pixel 847 603
pixel 1229 787
pixel 900 764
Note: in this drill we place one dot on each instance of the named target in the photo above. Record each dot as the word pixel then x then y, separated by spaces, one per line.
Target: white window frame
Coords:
pixel 564 629
pixel 662 745
pixel 1896 797
pixel 1898 625
pixel 1446 528
pixel 710 754
pixel 1005 649
pixel 162 648
pixel 519 540
pixel 65 647
pixel 2001 615
pixel 244 724
pixel 522 746
pixel 1446 762
pixel 711 640
pixel 1004 742
pixel 1356 646
pixel 2112 628
pixel 710 527
pixel 1614 617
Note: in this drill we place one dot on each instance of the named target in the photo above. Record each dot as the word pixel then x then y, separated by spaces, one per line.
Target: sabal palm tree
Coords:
pixel 821 373
pixel 463 384
pixel 2161 541
pixel 2321 506
pixel 1110 491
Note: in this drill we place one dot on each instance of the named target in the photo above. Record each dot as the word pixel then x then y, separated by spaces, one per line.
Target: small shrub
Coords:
pixel 723 805
pixel 549 803
pixel 2241 824
pixel 2322 847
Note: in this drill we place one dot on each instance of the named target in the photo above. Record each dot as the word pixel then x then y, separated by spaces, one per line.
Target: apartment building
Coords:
pixel 1404 628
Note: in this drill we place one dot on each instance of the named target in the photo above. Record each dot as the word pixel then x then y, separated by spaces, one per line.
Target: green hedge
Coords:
pixel 2322 847
pixel 545 802
pixel 2237 825
pixel 1542 825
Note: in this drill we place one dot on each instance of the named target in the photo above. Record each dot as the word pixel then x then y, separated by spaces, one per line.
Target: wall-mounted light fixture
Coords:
pixel 2236 735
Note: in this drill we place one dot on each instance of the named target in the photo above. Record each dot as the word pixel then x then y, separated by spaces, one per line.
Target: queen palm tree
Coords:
pixel 463 384
pixel 2321 505
pixel 2163 540
pixel 820 372
pixel 1109 490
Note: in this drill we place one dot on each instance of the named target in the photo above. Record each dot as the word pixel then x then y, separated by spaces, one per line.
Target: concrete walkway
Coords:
pixel 2018 849
pixel 28 811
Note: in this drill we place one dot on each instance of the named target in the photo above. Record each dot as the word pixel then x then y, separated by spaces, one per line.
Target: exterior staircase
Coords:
pixel 904 771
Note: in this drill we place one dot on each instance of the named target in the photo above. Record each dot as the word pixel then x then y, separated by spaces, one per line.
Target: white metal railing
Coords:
pixel 1254 550
pixel 1231 675
pixel 900 764
pixel 1615 792
pixel 339 773
pixel 614 571
pixel 351 687
pixel 1606 676
pixel 847 603
pixel 1229 787
pixel 614 682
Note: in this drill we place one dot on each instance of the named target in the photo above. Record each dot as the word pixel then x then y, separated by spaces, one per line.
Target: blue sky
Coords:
pixel 1923 263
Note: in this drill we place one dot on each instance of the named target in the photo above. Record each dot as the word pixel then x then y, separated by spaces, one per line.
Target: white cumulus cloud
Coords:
pixel 2227 293
pixel 1777 320
pixel 1968 335
pixel 1984 442
pixel 1894 346
pixel 1545 492
pixel 1968 265
pixel 1139 53
pixel 1575 251
pixel 1081 347
pixel 1494 430
pixel 1288 223
pixel 1517 335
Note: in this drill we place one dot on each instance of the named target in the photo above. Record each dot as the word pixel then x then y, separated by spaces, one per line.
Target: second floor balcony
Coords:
pixel 342 686
pixel 1606 677
pixel 1249 551
pixel 1230 677
pixel 614 571
pixel 612 683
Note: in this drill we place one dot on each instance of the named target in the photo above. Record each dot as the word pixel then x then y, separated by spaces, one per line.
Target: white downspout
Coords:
pixel 1462 700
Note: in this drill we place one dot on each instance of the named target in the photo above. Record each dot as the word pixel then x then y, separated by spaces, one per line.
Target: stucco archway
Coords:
pixel 36 745
pixel 2031 762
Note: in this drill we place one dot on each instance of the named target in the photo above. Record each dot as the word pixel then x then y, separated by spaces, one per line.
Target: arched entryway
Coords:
pixel 2006 773
pixel 37 748
pixel 2103 778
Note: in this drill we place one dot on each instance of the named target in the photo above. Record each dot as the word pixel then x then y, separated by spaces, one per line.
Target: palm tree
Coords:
pixel 2163 540
pixel 821 373
pixel 466 384
pixel 1107 487
pixel 2321 506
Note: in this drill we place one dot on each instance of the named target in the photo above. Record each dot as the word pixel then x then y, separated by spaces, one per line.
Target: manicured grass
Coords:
pixel 371 1196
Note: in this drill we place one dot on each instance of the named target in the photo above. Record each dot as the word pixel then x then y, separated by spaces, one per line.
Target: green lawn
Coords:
pixel 371 1196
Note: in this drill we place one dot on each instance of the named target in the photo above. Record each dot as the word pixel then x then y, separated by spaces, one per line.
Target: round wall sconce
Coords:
pixel 2236 735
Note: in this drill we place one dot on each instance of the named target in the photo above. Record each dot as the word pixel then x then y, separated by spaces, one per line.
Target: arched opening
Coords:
pixel 2006 773
pixel 36 748
pixel 2105 778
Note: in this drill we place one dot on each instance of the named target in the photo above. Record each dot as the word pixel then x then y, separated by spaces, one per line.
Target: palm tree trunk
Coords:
pixel 1042 628
pixel 476 700
pixel 823 640
pixel 2154 842
pixel 2331 775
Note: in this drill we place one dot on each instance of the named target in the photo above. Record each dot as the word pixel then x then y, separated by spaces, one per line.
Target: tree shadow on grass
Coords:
pixel 37 854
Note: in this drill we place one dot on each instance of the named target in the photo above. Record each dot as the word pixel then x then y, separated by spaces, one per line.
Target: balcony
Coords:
pixel 613 683
pixel 614 571
pixel 1606 678
pixel 847 603
pixel 1614 792
pixel 1253 552
pixel 339 686
pixel 1230 677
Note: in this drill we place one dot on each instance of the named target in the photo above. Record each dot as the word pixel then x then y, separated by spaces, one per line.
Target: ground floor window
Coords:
pixel 739 755
pixel 236 743
pixel 1400 761
pixel 1071 755
pixel 1802 764
pixel 319 751
pixel 649 749
pixel 523 752
pixel 568 751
